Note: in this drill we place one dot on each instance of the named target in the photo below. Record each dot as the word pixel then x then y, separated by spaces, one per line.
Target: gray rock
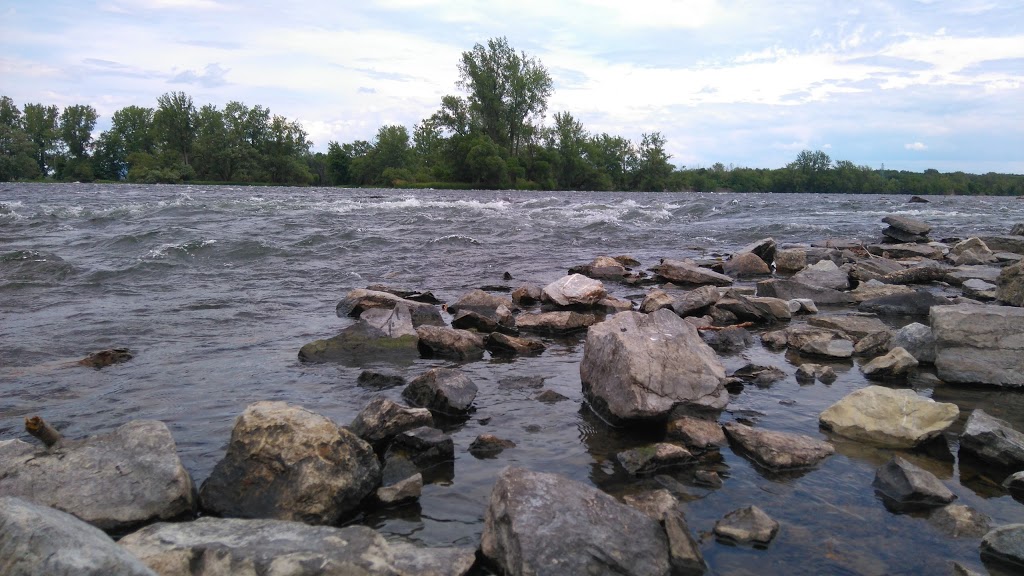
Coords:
pixel 824 274
pixel 527 294
pixel 746 264
pixel 480 302
pixel 976 343
pixel 563 322
pixel 906 486
pixel 791 289
pixel 908 225
pixel 748 525
pixel 790 260
pixel 778 450
pixel 504 345
pixel 602 267
pixel 759 375
pixel 445 391
pixel 488 445
pixel 1005 547
pixel 728 340
pixel 39 540
pixel 216 546
pixel 874 289
pixel 987 273
pixel 697 433
pixel 359 300
pixel 1014 483
pixel 903 236
pixel 445 342
pixel 993 440
pixel 381 419
pixel 424 447
pixel 697 301
pixel 917 303
pixel 918 340
pixel 960 521
pixel 1004 243
pixel 765 249
pixel 687 272
pixel 907 251
pixel 287 463
pixel 760 310
pixel 653 503
pixel 876 344
pixel 574 290
pixel 475 321
pixel 1010 285
pixel 802 306
pixel 378 379
pixel 888 417
pixel 897 363
pixel 979 290
pixel 856 326
pixel 874 268
pixel 640 366
pixel 655 300
pixel 402 491
pixel 818 341
pixel 648 459
pixel 550 397
pixel 809 372
pixel 113 481
pixel 545 524
pixel 684 551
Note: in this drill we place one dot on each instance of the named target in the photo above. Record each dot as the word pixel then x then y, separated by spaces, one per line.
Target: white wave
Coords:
pixel 455 237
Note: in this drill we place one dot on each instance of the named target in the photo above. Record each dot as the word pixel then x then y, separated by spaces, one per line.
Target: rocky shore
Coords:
pixel 292 482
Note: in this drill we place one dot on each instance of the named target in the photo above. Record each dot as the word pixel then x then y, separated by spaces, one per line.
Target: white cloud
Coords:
pixel 916 146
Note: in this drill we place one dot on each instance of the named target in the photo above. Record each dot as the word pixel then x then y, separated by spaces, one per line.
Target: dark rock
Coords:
pixel 602 267
pixel 595 533
pixel 918 303
pixel 918 340
pixel 504 345
pixel 708 478
pixel 527 294
pixel 728 340
pixel 905 486
pixel 778 450
pixel 550 397
pixel 564 322
pixel 917 199
pixel 380 380
pixel 687 272
pixel 113 481
pixel 489 445
pixel 39 540
pixel 404 490
pixel 522 382
pixel 765 249
pixel 627 261
pixel 105 358
pixel 908 225
pixel 287 463
pixel 901 236
pixel 358 300
pixel 425 447
pixel 382 419
pixel 906 251
pixel 759 375
pixel 1014 483
pixel 470 320
pixel 697 433
pixel 640 366
pixel 748 525
pixel 445 391
pixel 397 468
pixel 790 260
pixel 791 289
pixel 1004 547
pixel 683 550
pixel 761 311
pixel 648 459
pixel 809 372
pixel 877 343
pixel 444 342
pixel 414 295
pixel 993 440
pixel 977 343
pixel 215 546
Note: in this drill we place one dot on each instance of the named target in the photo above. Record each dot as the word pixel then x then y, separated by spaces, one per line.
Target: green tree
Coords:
pixel 131 132
pixel 17 152
pixel 76 125
pixel 175 122
pixel 506 91
pixel 652 169
pixel 41 126
pixel 211 153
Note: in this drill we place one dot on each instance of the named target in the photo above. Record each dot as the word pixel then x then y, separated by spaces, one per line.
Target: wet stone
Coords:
pixel 402 491
pixel 379 380
pixel 697 433
pixel 748 525
pixel 424 447
pixel 105 358
pixel 778 450
pixel 708 478
pixel 445 391
pixel 550 397
pixel 906 486
pixel 1004 547
pixel 489 445
pixel 654 503
pixel 649 459
pixel 960 521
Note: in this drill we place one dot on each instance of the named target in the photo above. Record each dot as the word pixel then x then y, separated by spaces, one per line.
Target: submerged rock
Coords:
pixel 887 417
pixel 778 450
pixel 39 540
pixel 640 366
pixel 105 358
pixel 960 521
pixel 381 334
pixel 546 524
pixel 647 459
pixel 215 546
pixel 488 445
pixel 287 463
pixel 906 486
pixel 113 481
pixel 748 525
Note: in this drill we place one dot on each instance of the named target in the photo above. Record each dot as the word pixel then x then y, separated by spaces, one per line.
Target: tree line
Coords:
pixel 492 135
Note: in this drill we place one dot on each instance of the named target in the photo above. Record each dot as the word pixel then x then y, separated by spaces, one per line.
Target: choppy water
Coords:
pixel 215 290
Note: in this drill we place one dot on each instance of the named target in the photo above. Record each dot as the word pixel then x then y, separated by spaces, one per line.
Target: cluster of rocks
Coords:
pixel 290 475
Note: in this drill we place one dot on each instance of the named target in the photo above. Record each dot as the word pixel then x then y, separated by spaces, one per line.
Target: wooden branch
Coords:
pixel 39 428
pixel 717 328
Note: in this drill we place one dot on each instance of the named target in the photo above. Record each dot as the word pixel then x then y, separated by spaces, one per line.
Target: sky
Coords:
pixel 908 84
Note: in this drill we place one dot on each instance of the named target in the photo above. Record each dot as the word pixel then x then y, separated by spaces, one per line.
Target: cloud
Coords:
pixel 916 146
pixel 212 76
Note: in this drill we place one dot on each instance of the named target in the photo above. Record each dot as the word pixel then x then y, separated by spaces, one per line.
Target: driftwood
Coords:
pixel 918 275
pixel 717 328
pixel 39 428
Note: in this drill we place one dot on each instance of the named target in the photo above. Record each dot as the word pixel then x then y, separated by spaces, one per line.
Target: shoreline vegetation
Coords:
pixel 494 136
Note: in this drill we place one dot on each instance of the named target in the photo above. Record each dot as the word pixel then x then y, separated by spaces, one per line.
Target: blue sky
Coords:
pixel 913 84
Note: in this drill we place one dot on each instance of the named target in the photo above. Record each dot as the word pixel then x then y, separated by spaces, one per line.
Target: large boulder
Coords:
pixel 545 524
pixel 745 264
pixel 574 290
pixel 905 486
pixel 221 546
pixel 993 440
pixel 113 481
pixel 889 418
pixel 778 450
pixel 688 272
pixel 381 419
pixel 977 343
pixel 602 267
pixel 357 301
pixel 446 391
pixel 284 462
pixel 445 342
pixel 639 366
pixel 1010 285
pixel 37 540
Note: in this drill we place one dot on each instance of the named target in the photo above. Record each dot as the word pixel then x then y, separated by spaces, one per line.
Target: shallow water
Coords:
pixel 215 290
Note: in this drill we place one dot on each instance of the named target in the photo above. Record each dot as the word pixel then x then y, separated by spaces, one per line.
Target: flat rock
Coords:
pixel 906 251
pixel 987 273
pixel 113 481
pixel 874 289
pixel 640 366
pixel 216 546
pixel 603 267
pixel 778 450
pixel 1004 243
pixel 824 274
pixel 546 524
pixel 902 236
pixel 889 418
pixel 648 459
pixel 818 341
pixel 979 290
pixel 993 440
pixel 897 363
pixel 748 525
pixel 697 301
pixel 446 391
pixel 906 486
pixel 917 303
pixel 287 463
pixel 1005 547
pixel 488 445
pixel 380 379
pixel 574 289
pixel 655 300
pixel 360 342
pixel 562 322
pixel 977 343
pixel 856 326
pixel 445 342
pixel 402 491
pixel 39 540
pixel 654 503
pixel 909 225
pixel 791 289
pixel 500 344
pixel 687 272
pixel 480 302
